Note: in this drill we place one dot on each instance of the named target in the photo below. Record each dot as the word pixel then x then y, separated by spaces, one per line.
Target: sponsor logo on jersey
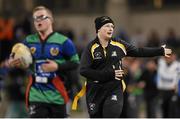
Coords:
pixel 97 55
pixel 114 97
pixel 114 54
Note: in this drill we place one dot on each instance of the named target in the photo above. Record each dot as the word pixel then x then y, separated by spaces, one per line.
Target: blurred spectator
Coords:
pixel 123 35
pixel 150 90
pixel 138 38
pixel 22 27
pixel 171 38
pixel 153 39
pixel 67 31
pixel 83 40
pixel 6 28
pixel 135 89
pixel 14 93
pixel 166 82
pixel 6 37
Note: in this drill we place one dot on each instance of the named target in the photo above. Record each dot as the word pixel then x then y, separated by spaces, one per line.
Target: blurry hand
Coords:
pixel 14 63
pixel 119 74
pixel 167 51
pixel 50 66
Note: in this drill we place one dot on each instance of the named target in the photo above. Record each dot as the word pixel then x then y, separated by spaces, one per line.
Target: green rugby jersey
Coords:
pixel 48 87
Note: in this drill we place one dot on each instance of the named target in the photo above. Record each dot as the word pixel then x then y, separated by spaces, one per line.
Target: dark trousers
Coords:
pixel 166 97
pixel 45 110
pixel 109 107
pixel 178 107
pixel 151 107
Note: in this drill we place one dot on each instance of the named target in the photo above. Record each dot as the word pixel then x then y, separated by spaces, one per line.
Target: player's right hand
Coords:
pixel 14 63
pixel 167 51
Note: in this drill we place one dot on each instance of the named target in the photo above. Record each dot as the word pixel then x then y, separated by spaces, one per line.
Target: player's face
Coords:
pixel 106 30
pixel 42 20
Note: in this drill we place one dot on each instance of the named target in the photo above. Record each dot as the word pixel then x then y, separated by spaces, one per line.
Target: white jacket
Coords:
pixel 168 75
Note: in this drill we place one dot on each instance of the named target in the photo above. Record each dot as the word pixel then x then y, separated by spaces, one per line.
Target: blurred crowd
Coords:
pixel 146 94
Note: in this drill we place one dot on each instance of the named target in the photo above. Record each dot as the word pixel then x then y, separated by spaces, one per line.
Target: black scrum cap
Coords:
pixel 100 21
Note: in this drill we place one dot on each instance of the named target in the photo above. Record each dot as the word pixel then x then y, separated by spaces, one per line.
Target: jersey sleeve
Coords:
pixel 142 52
pixel 72 58
pixel 69 51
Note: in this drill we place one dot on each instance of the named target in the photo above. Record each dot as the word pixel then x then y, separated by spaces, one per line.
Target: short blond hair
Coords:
pixel 43 8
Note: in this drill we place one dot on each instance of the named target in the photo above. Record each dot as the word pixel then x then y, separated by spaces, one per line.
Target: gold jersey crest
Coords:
pixel 54 51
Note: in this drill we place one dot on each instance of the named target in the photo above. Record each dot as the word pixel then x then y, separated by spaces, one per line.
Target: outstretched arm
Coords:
pixel 146 51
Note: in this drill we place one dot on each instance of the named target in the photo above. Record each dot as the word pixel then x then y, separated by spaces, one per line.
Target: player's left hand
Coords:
pixel 49 66
pixel 119 74
pixel 167 51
